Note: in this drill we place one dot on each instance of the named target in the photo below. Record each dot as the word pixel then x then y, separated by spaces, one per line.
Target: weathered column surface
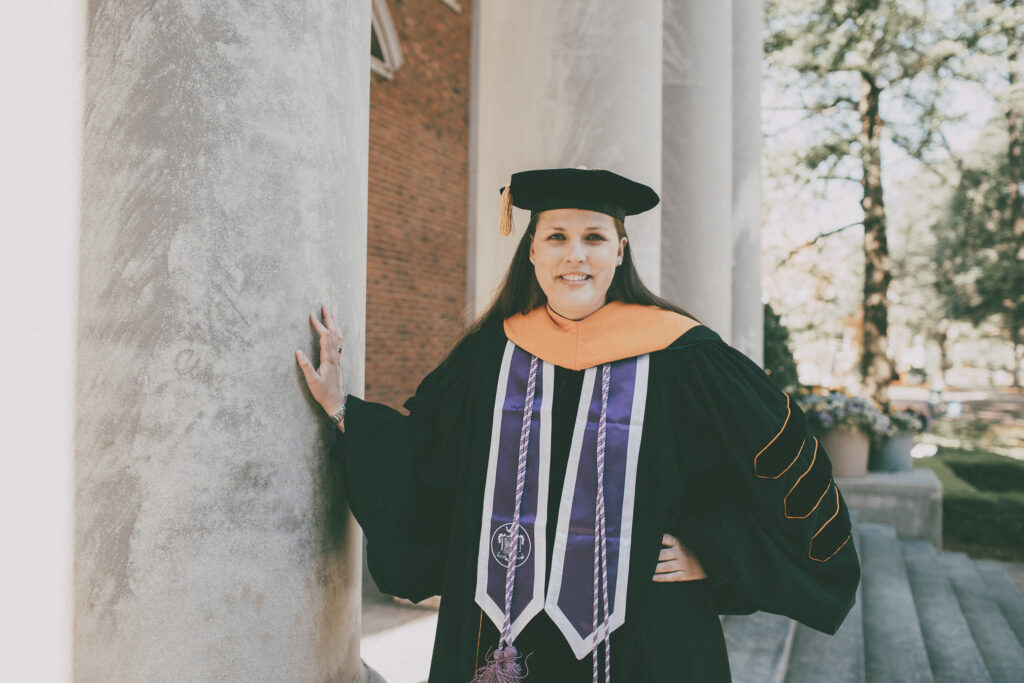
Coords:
pixel 747 310
pixel 697 180
pixel 562 84
pixel 225 199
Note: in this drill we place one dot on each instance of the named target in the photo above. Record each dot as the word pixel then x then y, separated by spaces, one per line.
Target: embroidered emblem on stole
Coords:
pixel 500 494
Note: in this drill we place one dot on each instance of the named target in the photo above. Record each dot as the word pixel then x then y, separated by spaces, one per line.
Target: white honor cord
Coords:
pixel 601 538
pixel 513 555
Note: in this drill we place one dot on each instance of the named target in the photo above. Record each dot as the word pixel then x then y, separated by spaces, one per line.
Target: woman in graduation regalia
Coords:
pixel 591 471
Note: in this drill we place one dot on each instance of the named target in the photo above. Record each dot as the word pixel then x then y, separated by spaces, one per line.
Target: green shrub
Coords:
pixel 982 498
pixel 999 477
pixel 969 430
pixel 952 485
pixel 981 521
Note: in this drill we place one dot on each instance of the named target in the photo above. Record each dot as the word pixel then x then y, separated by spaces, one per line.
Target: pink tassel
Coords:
pixel 502 667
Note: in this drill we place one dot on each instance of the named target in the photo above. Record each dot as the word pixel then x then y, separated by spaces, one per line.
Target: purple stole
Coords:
pixel 569 599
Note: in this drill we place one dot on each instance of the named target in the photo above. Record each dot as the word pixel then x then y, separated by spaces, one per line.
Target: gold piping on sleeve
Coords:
pixel 785 501
pixel 845 541
pixel 797 457
pixel 788 413
pixel 829 520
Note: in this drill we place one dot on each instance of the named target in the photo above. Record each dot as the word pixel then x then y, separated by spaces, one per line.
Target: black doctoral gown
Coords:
pixel 726 464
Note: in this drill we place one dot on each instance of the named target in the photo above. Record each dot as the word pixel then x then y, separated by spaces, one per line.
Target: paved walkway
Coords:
pixel 398 639
pixel 1015 570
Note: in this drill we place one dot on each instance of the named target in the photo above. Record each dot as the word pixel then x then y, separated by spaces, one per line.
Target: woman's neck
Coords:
pixel 575 320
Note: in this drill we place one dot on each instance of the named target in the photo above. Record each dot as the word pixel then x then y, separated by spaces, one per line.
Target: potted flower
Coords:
pixel 893 451
pixel 845 426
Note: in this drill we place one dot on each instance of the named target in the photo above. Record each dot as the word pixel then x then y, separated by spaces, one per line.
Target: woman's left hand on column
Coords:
pixel 325 382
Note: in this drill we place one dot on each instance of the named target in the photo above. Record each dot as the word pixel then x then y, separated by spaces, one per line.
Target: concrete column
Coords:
pixel 747 310
pixel 697 180
pixel 225 162
pixel 41 110
pixel 561 83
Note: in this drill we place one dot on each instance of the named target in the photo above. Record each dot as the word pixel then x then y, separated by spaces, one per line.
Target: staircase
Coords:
pixel 920 616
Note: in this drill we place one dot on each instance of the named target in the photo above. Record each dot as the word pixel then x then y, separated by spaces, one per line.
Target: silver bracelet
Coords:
pixel 339 415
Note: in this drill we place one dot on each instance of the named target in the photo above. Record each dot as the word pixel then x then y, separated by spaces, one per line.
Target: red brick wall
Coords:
pixel 418 199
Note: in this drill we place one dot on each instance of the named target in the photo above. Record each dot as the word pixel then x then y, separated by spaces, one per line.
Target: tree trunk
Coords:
pixel 941 337
pixel 875 366
pixel 1018 364
pixel 1018 347
pixel 1016 169
pixel 1016 164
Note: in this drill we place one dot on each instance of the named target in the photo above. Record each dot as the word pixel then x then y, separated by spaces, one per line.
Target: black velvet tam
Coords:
pixel 581 188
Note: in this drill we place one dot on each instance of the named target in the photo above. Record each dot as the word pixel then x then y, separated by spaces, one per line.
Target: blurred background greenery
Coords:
pixel 893 234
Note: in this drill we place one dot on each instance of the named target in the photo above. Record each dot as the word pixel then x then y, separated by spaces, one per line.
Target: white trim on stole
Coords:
pixel 582 646
pixel 536 605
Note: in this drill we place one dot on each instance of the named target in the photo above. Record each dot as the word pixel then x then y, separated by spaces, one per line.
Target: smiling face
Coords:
pixel 574 254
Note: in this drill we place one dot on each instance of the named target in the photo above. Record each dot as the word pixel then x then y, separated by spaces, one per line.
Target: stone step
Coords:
pixel 998 644
pixel 758 645
pixel 919 615
pixel 894 647
pixel 838 658
pixel 1006 593
pixel 910 501
pixel 953 654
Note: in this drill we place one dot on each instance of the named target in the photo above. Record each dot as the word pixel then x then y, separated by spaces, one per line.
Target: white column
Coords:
pixel 561 84
pixel 747 310
pixel 697 176
pixel 225 162
pixel 41 109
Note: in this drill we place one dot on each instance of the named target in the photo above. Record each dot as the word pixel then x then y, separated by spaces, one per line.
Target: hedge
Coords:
pixel 982 498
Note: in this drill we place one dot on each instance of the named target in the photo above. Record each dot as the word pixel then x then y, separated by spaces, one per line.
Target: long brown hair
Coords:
pixel 520 292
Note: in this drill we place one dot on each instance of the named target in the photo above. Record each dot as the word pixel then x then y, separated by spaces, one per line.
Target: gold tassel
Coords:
pixel 506 226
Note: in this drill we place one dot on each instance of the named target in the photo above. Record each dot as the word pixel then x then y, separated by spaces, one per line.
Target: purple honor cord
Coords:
pixel 601 538
pixel 503 665
pixel 524 446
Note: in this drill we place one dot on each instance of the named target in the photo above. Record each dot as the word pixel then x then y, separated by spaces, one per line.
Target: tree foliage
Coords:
pixel 978 254
pixel 842 63
pixel 980 234
pixel 778 358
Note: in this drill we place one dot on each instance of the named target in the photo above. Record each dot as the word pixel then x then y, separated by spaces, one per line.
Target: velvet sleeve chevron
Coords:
pixel 772 528
pixel 813 490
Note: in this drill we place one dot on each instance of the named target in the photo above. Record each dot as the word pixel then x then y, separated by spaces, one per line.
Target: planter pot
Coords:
pixel 894 453
pixel 848 451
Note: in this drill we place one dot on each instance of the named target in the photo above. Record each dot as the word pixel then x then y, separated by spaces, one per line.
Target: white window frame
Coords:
pixel 387 38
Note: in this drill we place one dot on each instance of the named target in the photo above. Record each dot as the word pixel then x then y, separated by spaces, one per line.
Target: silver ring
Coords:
pixel 339 349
